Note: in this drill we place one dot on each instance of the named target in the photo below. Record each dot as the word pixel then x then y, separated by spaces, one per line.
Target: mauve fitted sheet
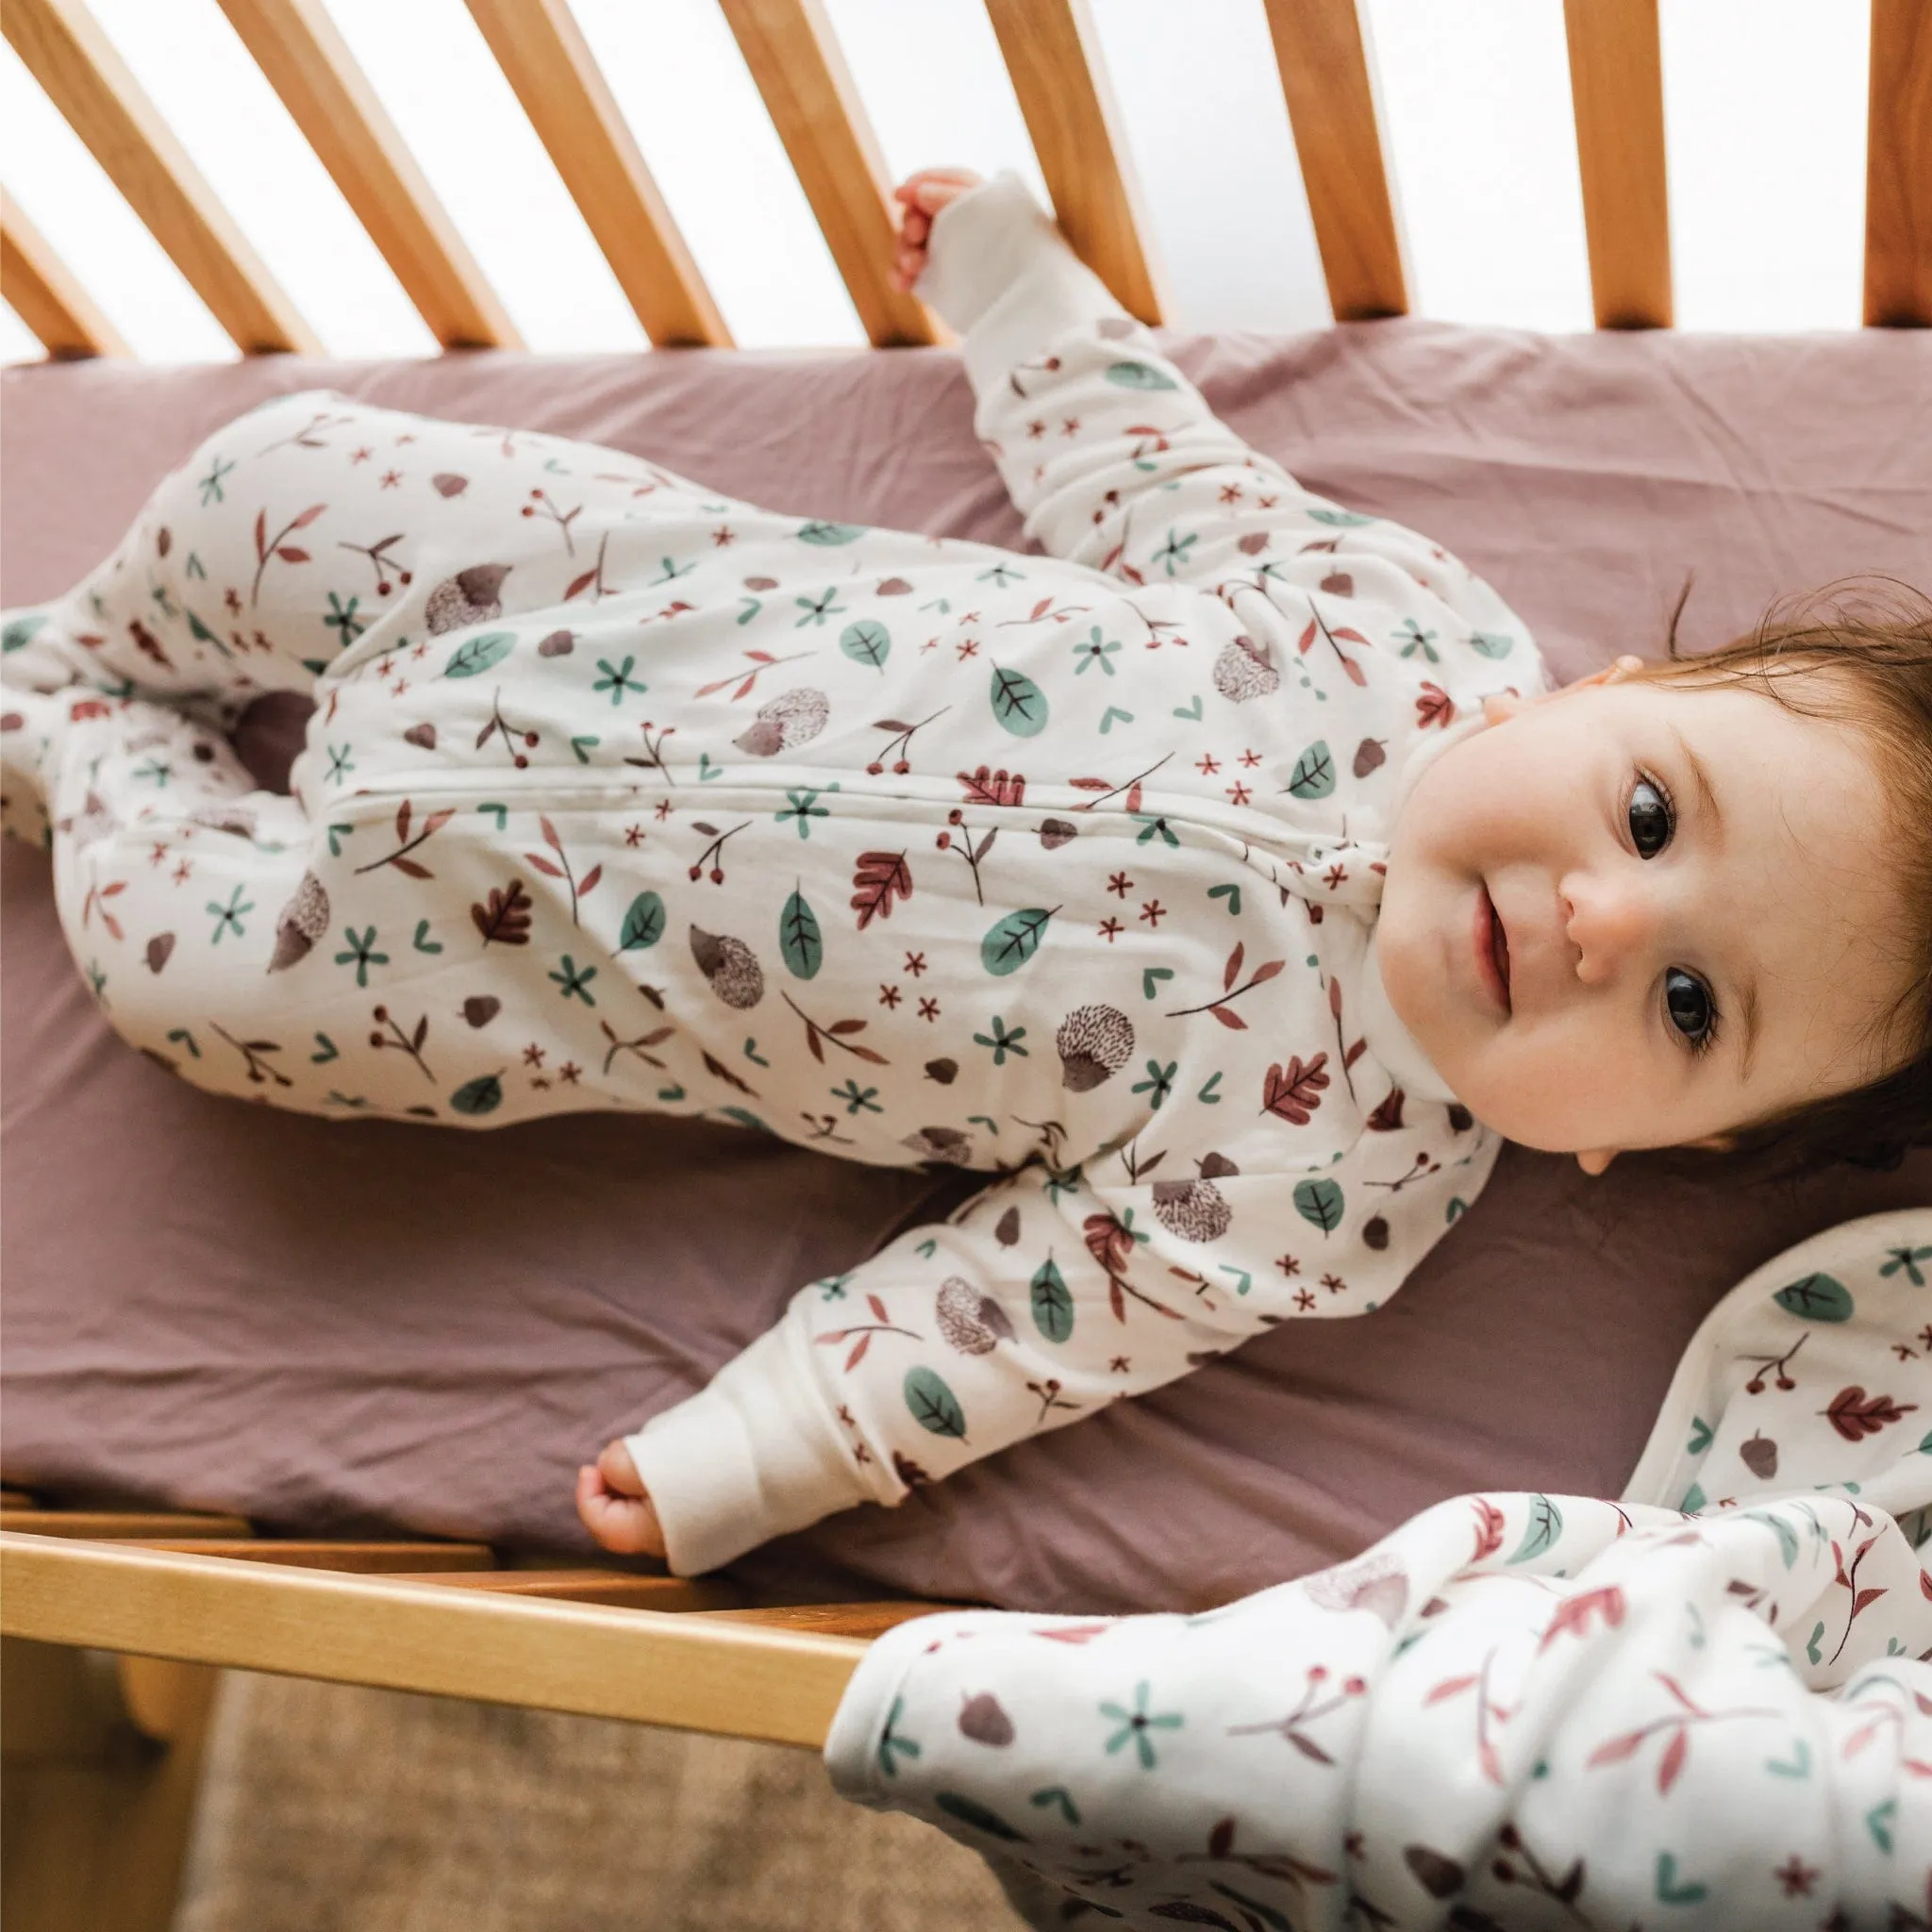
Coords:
pixel 369 1325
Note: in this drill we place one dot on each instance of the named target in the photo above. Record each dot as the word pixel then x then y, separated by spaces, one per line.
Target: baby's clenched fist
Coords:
pixel 923 195
pixel 614 1505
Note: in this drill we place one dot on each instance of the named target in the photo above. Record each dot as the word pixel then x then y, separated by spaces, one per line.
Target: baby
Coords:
pixel 1227 881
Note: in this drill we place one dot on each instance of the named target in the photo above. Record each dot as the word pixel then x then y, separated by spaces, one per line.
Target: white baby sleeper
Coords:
pixel 622 794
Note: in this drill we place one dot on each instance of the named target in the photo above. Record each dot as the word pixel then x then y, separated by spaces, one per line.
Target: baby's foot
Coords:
pixel 614 1507
pixel 923 195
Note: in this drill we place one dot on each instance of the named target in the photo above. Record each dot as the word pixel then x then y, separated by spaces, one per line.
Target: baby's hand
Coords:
pixel 923 194
pixel 614 1507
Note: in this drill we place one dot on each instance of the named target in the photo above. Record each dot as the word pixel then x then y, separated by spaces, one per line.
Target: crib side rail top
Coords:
pixel 1052 56
pixel 446 1618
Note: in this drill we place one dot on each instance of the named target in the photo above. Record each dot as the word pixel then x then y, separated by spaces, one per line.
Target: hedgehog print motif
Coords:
pixel 729 966
pixel 300 923
pixel 1196 1210
pixel 1245 670
pixel 1094 1044
pixel 472 596
pixel 795 718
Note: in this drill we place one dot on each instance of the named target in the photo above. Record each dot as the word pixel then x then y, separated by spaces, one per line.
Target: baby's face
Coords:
pixel 1639 915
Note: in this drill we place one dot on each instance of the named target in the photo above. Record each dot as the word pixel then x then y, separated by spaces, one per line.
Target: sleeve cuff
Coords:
pixel 751 1456
pixel 1002 274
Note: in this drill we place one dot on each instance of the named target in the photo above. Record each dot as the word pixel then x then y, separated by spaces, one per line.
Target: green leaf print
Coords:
pixel 971 1811
pixel 1018 703
pixel 867 643
pixel 476 656
pixel 799 937
pixel 482 1095
pixel 643 925
pixel 1816 1298
pixel 1138 375
pixel 830 535
pixel 933 1405
pixel 1014 941
pixel 1314 772
pixel 17 634
pixel 1053 1305
pixel 1319 1204
pixel 1545 1528
pixel 1491 644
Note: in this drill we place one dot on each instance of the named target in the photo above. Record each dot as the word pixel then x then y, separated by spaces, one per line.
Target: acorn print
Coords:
pixel 943 1070
pixel 481 1007
pixel 730 966
pixel 984 1721
pixel 1094 1044
pixel 1375 1233
pixel 300 923
pixel 1760 1456
pixel 1244 670
pixel 447 483
pixel 1338 583
pixel 972 1323
pixel 422 735
pixel 1195 1210
pixel 1370 756
pixel 159 950
pixel 941 1143
pixel 559 644
pixel 894 587
pixel 469 597
pixel 1054 833
pixel 794 718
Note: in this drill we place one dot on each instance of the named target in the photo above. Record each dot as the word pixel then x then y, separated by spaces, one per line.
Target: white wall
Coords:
pixel 1764 108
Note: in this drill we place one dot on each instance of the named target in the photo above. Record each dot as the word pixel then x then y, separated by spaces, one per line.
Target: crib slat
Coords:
pixel 832 1620
pixel 98 1524
pixel 691 1673
pixel 1898 168
pixel 1616 83
pixel 62 46
pixel 809 95
pixel 309 64
pixel 362 1560
pixel 1321 47
pixel 549 64
pixel 1054 58
pixel 615 1586
pixel 45 296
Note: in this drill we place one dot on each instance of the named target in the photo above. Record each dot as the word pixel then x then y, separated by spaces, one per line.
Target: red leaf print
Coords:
pixel 858 1355
pixel 1229 1019
pixel 1449 1687
pixel 506 917
pixel 261 533
pixel 1435 706
pixel 544 865
pixel 1488 1531
pixel 309 515
pixel 1855 1415
pixel 877 1307
pixel 550 838
pixel 1309 1748
pixel 1233 969
pixel 579 585
pixel 1090 784
pixel 1108 1241
pixel 1616 1750
pixel 842 1026
pixel 1676 1752
pixel 1354 672
pixel 1267 970
pixel 410 867
pixel 1115 1299
pixel 1294 1092
pixel 984 785
pixel 1491 1764
pixel 1133 797
pixel 881 878
pixel 1574 1614
pixel 1334 998
pixel 865 1053
pixel 589 881
pixel 437 820
pixel 1925 1591
pixel 1075 1633
pixel 402 823
pixel 1864 1597
pixel 288 554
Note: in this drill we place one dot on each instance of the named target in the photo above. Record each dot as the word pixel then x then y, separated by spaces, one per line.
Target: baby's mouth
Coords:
pixel 1492 948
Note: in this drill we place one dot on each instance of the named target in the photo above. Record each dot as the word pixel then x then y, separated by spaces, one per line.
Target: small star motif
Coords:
pixel 889 997
pixel 930 644
pixel 1251 758
pixel 1796 1876
pixel 1268 502
pixel 1237 794
pixel 1119 1365
pixel 1303 1299
pixel 533 1055
pixel 1334 1283
pixel 182 872
pixel 539 1085
pixel 1153 911
pixel 421 651
pixel 915 963
pixel 1288 1265
pixel 1208 764
pixel 723 535
pixel 406 436
pixel 1035 431
pixel 570 1073
pixel 1120 885
pixel 1230 492
pixel 1925 1335
pixel 929 1010
pixel 633 834
pixel 1070 426
pixel 232 598
pixel 391 478
pixel 363 455
pixel 1905 1353
pixel 1334 875
pixel 1110 929
pixel 157 855
pixel 969 649
pixel 663 807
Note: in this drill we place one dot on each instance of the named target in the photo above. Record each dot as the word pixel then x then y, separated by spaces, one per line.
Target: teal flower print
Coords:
pixel 339 763
pixel 342 617
pixel 1136 1723
pixel 1094 652
pixel 1158 1081
pixel 817 610
pixel 362 951
pixel 1174 551
pixel 228 917
pixel 855 1099
pixel 617 679
pixel 212 490
pixel 574 980
pixel 1002 1042
pixel 1418 640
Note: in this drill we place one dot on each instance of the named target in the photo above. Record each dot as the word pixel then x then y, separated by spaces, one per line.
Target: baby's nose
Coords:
pixel 1607 923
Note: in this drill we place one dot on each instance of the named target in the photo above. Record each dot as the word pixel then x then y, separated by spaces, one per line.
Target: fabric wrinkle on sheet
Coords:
pixel 537 855
pixel 1516 1709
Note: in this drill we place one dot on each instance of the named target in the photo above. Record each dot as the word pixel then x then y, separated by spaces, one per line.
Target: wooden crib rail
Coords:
pixel 1053 57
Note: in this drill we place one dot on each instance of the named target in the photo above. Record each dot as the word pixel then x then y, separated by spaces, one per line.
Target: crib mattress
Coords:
pixel 371 1325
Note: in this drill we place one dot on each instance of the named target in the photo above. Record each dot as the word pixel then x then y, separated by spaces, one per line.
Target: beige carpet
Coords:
pixel 332 1808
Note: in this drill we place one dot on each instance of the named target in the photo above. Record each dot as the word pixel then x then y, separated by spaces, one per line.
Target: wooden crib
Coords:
pixel 115 1621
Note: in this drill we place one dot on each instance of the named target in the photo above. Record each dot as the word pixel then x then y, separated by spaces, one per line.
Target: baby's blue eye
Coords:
pixel 1651 823
pixel 1688 1002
